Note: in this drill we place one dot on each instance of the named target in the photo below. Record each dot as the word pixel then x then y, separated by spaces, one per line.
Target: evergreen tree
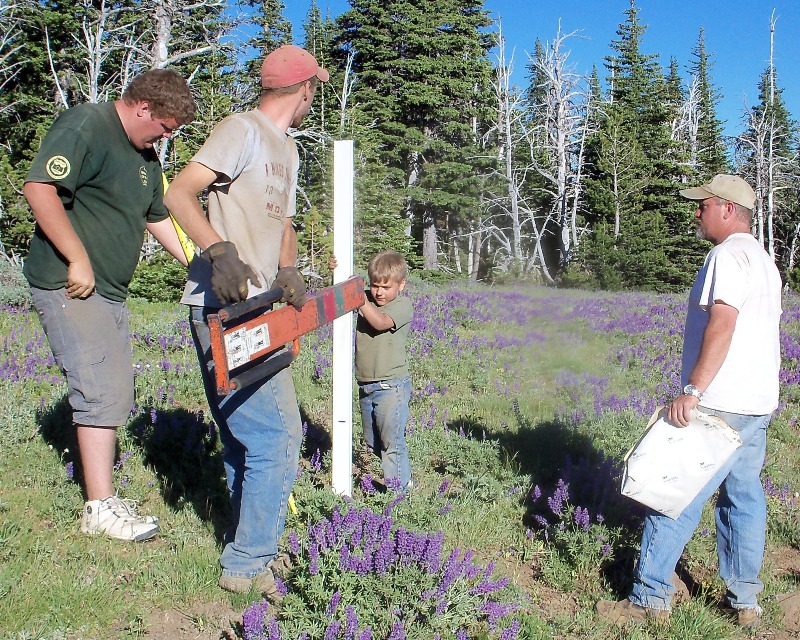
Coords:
pixel 636 167
pixel 711 151
pixel 422 78
pixel 272 29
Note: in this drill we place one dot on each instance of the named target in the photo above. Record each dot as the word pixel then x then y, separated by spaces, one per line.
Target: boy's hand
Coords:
pixel 332 262
pixel 229 274
pixel 294 287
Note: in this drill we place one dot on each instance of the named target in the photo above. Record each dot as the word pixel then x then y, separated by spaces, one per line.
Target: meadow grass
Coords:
pixel 524 402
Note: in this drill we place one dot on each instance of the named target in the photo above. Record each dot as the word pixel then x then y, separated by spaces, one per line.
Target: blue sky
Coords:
pixel 736 31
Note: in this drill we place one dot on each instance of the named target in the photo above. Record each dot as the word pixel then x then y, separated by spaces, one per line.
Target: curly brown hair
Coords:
pixel 167 93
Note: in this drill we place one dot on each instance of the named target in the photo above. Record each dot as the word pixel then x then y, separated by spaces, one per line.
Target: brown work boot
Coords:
pixel 263 582
pixel 681 594
pixel 626 612
pixel 748 618
pixel 281 564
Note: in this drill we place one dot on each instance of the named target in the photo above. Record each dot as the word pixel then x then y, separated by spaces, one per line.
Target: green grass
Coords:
pixel 497 422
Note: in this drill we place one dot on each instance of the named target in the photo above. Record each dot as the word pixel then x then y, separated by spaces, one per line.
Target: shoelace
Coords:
pixel 122 508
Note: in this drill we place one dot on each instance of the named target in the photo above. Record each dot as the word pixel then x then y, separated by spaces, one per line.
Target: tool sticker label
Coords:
pixel 240 345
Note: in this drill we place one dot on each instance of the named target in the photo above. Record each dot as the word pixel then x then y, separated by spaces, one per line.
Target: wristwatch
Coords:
pixel 691 390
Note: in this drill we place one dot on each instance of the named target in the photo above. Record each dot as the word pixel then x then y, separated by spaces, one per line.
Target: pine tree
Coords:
pixel 711 151
pixel 272 29
pixel 636 166
pixel 422 78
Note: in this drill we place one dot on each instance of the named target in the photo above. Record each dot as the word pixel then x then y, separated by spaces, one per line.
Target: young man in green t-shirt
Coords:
pixel 93 188
pixel 384 382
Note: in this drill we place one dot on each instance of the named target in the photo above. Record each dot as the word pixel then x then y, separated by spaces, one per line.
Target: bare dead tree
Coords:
pixel 686 123
pixel 510 136
pixel 561 124
pixel 10 45
pixel 770 170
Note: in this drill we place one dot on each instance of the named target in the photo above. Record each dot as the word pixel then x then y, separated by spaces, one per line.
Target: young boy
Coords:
pixel 384 383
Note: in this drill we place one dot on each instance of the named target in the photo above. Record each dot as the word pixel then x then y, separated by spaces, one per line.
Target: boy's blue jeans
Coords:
pixel 741 515
pixel 261 430
pixel 384 416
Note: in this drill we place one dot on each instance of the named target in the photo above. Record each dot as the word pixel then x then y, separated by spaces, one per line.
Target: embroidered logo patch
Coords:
pixel 143 176
pixel 57 167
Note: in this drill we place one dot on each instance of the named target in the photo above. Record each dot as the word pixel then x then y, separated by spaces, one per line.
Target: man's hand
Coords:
pixel 680 408
pixel 294 287
pixel 80 279
pixel 229 274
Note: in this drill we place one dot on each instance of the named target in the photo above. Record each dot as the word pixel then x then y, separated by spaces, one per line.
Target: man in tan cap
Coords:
pixel 730 364
pixel 249 166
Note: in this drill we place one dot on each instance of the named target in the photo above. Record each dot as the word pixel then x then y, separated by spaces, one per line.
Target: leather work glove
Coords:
pixel 229 274
pixel 294 287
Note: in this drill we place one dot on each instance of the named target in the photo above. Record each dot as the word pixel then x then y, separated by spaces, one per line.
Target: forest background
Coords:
pixel 568 179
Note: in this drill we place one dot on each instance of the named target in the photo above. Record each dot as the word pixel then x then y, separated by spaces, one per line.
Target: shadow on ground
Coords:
pixel 183 449
pixel 554 453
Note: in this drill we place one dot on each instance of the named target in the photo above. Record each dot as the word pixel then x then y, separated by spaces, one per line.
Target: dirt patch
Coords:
pixel 208 621
pixel 785 560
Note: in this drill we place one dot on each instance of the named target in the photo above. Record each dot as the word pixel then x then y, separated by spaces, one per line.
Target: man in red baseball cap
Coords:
pixel 249 165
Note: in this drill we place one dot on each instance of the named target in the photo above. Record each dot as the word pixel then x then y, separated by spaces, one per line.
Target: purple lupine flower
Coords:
pixel 366 634
pixel 443 487
pixel 69 469
pixel 560 496
pixel 367 486
pixel 398 632
pixel 273 630
pixel 395 501
pixel 496 610
pixel 537 493
pixel 253 620
pixel 581 517
pixel 541 521
pixel 351 624
pixel 461 635
pixel 281 586
pixel 510 632
pixel 316 462
pixel 122 460
pixel 446 509
pixel 333 604
pixel 294 543
pixel 605 550
pixel 333 630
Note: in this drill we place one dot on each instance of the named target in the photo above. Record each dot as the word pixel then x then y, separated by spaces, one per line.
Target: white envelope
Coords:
pixel 669 465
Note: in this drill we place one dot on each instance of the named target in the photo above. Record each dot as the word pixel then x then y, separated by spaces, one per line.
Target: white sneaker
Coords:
pixel 132 505
pixel 114 518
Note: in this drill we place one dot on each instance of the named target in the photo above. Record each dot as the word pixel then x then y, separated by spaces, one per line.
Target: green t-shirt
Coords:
pixel 381 355
pixel 110 191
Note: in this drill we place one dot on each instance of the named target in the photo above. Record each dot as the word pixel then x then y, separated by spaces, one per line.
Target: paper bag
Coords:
pixel 669 465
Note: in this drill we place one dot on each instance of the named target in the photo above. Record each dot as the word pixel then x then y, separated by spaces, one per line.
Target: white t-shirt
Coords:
pixel 741 274
pixel 250 202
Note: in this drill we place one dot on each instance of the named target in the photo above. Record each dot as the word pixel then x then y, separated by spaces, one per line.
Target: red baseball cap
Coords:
pixel 288 65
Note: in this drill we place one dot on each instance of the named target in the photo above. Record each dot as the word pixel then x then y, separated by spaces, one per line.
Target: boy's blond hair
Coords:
pixel 387 265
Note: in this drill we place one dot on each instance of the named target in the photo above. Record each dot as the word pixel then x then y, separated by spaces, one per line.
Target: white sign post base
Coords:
pixel 342 467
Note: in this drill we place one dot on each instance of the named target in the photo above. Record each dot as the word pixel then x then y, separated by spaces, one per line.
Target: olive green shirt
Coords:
pixel 381 355
pixel 110 191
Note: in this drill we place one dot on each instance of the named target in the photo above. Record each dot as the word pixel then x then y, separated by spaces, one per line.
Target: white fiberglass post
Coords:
pixel 342 471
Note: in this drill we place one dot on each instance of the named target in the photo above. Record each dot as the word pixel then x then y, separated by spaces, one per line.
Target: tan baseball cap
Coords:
pixel 731 188
pixel 288 65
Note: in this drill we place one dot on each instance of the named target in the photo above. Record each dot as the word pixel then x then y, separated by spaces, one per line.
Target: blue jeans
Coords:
pixel 384 416
pixel 260 429
pixel 741 515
